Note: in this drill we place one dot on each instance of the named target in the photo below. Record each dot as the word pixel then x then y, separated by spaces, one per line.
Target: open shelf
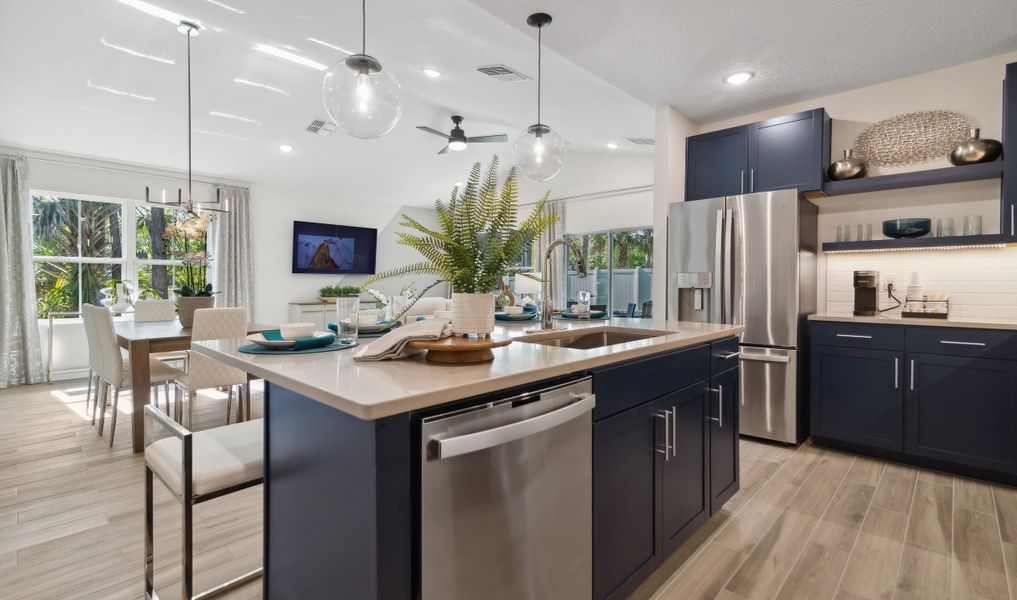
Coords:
pixel 991 170
pixel 957 241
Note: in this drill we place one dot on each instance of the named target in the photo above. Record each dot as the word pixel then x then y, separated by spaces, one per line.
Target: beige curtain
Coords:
pixel 231 255
pixel 556 274
pixel 20 352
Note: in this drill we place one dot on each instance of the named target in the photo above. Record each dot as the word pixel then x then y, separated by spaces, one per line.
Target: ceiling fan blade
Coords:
pixel 434 131
pixel 488 138
pixel 443 150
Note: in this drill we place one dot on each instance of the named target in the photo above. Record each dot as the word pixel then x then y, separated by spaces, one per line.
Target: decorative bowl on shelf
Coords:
pixel 906 228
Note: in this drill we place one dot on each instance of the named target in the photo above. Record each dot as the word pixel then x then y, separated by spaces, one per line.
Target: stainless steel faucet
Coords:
pixel 547 310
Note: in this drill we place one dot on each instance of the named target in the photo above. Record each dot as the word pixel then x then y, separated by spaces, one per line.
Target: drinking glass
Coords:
pixel 944 227
pixel 582 307
pixel 843 233
pixel 864 232
pixel 973 225
pixel 347 319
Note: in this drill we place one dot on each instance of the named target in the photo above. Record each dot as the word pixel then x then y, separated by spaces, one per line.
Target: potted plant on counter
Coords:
pixel 478 240
pixel 330 292
pixel 189 237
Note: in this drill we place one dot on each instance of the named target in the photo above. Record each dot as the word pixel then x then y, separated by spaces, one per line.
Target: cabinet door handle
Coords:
pixel 752 180
pixel 953 343
pixel 743 182
pixel 667 449
pixel 912 374
pixel 674 432
pixel 719 419
pixel 729 355
pixel 855 336
pixel 896 373
pixel 1012 221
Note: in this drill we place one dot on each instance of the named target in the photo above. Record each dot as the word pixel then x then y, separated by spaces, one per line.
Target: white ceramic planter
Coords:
pixel 472 313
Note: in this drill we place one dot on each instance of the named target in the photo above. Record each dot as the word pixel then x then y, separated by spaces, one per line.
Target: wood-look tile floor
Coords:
pixel 808 523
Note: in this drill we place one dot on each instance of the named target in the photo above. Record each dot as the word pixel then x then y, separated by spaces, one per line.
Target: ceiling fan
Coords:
pixel 457 139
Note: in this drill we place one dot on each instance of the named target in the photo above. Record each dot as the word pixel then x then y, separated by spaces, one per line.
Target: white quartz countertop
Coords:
pixel 372 390
pixel 949 322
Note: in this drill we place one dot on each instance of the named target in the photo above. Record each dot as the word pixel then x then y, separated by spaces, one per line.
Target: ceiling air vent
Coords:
pixel 641 141
pixel 502 73
pixel 321 127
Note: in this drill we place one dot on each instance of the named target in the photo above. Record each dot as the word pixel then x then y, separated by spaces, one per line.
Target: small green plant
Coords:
pixel 339 291
pixel 478 239
pixel 188 291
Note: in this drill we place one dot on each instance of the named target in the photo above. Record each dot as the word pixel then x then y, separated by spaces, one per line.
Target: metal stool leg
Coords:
pixel 191 397
pixel 113 423
pixel 165 389
pixel 247 401
pixel 229 404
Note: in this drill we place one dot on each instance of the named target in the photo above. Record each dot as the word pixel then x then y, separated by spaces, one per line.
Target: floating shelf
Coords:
pixel 992 170
pixel 943 243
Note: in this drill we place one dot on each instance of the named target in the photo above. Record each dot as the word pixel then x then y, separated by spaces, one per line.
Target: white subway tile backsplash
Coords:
pixel 982 282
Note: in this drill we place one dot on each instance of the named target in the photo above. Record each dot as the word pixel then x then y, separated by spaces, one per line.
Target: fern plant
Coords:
pixel 478 239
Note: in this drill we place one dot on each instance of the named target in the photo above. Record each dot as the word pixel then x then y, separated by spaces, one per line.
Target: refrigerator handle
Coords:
pixel 728 266
pixel 717 292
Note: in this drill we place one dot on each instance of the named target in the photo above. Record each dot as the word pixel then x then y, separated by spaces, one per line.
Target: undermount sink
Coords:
pixel 589 339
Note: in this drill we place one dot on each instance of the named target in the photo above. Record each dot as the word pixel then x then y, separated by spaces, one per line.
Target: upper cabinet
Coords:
pixel 1008 219
pixel 789 152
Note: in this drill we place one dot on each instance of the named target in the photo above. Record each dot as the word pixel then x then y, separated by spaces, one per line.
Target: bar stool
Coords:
pixel 155 310
pixel 204 372
pixel 197 467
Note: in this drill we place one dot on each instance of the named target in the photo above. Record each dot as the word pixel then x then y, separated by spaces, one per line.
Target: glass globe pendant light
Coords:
pixel 362 99
pixel 539 151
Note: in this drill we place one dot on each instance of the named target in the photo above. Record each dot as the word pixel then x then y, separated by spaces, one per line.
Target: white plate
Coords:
pixel 259 339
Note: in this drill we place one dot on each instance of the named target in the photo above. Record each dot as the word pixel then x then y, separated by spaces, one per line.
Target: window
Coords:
pixel 619 267
pixel 82 244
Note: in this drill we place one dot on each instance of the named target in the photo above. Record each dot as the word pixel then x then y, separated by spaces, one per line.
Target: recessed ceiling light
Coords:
pixel 327 45
pixel 432 73
pixel 166 61
pixel 263 86
pixel 293 58
pixel 612 146
pixel 739 78
pixel 286 148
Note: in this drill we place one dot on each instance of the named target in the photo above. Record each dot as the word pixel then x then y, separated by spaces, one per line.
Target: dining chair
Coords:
pixel 114 371
pixel 93 359
pixel 631 310
pixel 197 467
pixel 153 310
pixel 204 372
pixel 647 311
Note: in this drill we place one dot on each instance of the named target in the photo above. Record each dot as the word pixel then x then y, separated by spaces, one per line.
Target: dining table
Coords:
pixel 141 340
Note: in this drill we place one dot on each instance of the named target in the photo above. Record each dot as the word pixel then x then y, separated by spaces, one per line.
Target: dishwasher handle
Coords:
pixel 489 438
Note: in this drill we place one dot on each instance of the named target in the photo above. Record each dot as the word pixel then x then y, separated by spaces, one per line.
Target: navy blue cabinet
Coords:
pixel 789 152
pixel 963 410
pixel 857 396
pixel 684 504
pixel 938 397
pixel 723 423
pixel 717 164
pixel 1008 219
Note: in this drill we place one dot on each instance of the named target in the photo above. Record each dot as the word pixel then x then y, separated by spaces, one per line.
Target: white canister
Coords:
pixel 472 313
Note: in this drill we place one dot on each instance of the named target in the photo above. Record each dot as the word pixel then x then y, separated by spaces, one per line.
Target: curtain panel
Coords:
pixel 231 254
pixel 20 351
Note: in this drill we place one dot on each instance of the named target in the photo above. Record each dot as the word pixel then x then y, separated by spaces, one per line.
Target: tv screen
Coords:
pixel 333 249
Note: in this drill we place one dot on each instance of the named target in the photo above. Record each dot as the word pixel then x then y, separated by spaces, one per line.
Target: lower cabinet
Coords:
pixel 723 435
pixel 963 410
pixel 660 468
pixel 857 396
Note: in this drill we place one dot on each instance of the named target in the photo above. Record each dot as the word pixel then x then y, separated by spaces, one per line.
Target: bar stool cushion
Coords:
pixel 222 458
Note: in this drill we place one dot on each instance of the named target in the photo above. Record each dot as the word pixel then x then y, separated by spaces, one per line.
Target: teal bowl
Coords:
pixel 906 228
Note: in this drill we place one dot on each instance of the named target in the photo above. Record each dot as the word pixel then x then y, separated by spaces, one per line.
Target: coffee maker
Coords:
pixel 866 293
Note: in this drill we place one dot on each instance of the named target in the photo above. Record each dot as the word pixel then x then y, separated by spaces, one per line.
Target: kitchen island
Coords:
pixel 344 453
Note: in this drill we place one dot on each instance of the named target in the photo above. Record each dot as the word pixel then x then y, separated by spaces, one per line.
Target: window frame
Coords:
pixel 128 261
pixel 610 258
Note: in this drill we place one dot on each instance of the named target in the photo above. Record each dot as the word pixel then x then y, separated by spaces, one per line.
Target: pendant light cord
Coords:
pixel 540 29
pixel 190 178
pixel 363 27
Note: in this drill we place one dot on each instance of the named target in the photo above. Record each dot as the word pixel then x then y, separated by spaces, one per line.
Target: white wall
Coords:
pixel 972 89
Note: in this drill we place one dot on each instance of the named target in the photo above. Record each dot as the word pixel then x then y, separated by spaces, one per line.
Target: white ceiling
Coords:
pixel 675 52
pixel 53 49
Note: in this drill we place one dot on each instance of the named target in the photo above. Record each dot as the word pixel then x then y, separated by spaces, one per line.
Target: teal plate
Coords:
pixel 507 317
pixel 256 349
pixel 594 315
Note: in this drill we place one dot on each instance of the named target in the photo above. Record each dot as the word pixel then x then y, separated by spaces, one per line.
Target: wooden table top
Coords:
pixel 166 330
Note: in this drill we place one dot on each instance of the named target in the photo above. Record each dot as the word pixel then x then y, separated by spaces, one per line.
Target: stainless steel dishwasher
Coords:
pixel 506 498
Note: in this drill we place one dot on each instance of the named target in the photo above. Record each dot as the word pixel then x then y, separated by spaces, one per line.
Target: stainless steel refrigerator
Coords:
pixel 751 260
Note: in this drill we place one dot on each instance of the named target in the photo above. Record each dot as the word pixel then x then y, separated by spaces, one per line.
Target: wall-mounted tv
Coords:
pixel 333 249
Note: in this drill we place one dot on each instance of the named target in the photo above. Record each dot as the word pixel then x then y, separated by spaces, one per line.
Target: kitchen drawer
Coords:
pixel 956 341
pixel 723 355
pixel 632 383
pixel 858 335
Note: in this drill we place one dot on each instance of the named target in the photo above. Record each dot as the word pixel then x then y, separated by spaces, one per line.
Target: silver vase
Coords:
pixel 848 167
pixel 975 150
